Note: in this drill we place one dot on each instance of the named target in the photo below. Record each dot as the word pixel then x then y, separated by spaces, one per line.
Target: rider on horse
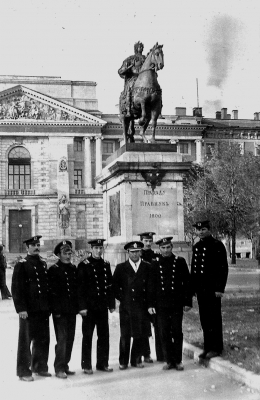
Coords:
pixel 129 71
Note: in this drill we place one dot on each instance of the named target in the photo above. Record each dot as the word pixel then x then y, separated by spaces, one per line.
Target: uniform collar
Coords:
pixel 61 264
pixel 95 260
pixel 206 238
pixel 135 265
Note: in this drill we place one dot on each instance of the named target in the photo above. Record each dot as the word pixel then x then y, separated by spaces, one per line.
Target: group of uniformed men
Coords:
pixel 150 287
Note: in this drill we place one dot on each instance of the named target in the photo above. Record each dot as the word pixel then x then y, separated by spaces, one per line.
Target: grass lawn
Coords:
pixel 241 330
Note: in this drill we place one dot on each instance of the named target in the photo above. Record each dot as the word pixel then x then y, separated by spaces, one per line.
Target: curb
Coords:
pixel 230 370
pixel 244 269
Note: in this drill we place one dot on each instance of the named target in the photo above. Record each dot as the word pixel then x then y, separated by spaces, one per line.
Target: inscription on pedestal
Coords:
pixel 155 211
pixel 115 221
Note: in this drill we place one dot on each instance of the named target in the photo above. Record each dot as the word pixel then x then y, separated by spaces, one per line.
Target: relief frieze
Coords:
pixel 24 107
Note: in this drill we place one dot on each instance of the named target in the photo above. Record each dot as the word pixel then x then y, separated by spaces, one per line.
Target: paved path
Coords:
pixel 196 383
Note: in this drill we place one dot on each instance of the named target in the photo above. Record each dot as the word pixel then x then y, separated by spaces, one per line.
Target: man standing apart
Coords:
pixel 95 297
pixel 209 272
pixel 64 306
pixel 168 296
pixel 130 284
pixel 30 296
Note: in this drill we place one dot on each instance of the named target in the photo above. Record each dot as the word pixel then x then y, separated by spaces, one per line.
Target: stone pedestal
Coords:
pixel 143 191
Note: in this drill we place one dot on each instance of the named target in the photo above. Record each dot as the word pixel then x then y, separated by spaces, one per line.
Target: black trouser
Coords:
pixel 98 318
pixel 65 332
pixel 3 287
pixel 170 330
pixel 211 321
pixel 158 343
pixel 5 292
pixel 146 349
pixel 35 330
pixel 136 350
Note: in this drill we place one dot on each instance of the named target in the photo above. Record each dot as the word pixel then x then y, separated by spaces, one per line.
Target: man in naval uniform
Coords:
pixel 64 306
pixel 30 296
pixel 209 272
pixel 95 298
pixel 149 255
pixel 130 281
pixel 168 296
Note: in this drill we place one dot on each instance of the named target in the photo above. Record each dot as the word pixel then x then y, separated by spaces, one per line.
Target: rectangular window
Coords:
pixel 108 148
pixel 78 144
pixel 184 148
pixel 19 177
pixel 78 178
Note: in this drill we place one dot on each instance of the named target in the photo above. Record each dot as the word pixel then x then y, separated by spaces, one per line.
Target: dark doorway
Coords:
pixel 19 230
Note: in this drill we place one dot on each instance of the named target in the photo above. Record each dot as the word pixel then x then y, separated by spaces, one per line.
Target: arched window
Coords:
pixel 19 168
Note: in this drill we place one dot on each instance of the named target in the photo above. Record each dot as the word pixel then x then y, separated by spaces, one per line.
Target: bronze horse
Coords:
pixel 146 97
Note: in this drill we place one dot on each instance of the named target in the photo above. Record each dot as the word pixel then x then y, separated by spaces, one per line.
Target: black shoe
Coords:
pixel 44 373
pixel 179 366
pixel 61 375
pixel 148 360
pixel 26 378
pixel 212 354
pixel 68 372
pixel 168 366
pixel 88 371
pixel 203 354
pixel 122 367
pixel 138 365
pixel 104 369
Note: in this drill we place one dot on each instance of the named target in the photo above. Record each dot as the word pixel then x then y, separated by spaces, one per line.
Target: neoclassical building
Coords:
pixel 54 142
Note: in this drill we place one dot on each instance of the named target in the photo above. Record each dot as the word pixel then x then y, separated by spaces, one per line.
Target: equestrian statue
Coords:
pixel 142 96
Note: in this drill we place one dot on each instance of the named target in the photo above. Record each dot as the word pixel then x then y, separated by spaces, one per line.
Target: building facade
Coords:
pixel 54 142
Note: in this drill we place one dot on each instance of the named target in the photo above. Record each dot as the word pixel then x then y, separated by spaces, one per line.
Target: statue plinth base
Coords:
pixel 143 191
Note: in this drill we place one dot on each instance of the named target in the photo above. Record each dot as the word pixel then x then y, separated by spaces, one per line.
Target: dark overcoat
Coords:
pixel 30 288
pixel 63 288
pixel 2 271
pixel 95 291
pixel 148 255
pixel 169 285
pixel 209 266
pixel 131 290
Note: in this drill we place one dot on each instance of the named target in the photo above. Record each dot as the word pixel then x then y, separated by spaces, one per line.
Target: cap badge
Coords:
pixel 35 238
pixel 135 245
pixel 164 240
pixel 199 223
pixel 99 241
pixel 64 242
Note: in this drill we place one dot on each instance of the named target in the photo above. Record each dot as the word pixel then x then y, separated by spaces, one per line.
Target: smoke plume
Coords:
pixel 220 45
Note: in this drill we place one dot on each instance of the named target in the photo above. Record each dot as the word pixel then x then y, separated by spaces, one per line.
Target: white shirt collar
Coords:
pixel 135 265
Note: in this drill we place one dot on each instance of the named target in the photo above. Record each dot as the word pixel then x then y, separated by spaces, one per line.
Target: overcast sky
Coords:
pixel 217 42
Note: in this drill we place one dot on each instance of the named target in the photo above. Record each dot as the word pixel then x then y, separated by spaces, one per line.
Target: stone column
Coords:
pixel 198 151
pixel 87 163
pixel 98 155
